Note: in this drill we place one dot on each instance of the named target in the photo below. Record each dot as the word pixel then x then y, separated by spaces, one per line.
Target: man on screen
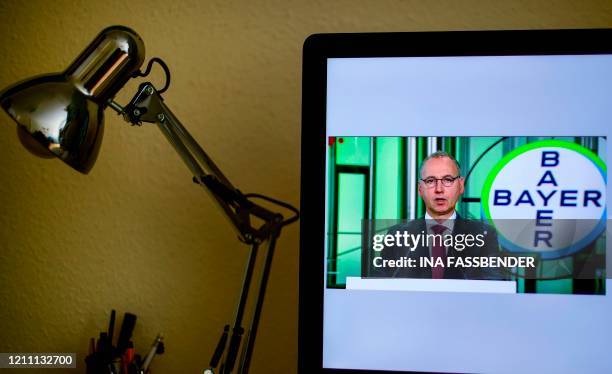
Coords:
pixel 440 186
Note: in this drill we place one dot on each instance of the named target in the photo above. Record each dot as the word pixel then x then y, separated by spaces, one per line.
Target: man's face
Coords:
pixel 439 199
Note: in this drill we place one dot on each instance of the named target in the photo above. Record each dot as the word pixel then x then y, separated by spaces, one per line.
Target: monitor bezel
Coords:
pixel 320 47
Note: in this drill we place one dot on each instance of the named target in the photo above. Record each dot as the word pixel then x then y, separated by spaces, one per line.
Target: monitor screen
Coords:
pixel 454 202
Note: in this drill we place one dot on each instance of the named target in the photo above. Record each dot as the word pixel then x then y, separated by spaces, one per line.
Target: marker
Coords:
pixel 127 327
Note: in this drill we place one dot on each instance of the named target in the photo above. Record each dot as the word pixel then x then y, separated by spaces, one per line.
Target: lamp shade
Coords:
pixel 62 114
pixel 55 118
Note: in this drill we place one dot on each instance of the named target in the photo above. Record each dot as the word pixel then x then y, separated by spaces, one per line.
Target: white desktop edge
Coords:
pixel 431 285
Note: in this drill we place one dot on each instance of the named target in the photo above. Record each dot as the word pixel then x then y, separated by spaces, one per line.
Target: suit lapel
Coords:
pixel 458 228
pixel 423 251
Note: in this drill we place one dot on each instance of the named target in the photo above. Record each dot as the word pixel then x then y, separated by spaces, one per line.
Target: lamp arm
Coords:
pixel 210 168
pixel 148 106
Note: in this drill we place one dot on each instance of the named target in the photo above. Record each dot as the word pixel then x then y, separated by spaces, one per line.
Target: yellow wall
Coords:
pixel 136 235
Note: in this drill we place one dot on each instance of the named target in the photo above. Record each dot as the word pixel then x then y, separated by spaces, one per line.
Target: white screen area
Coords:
pixel 463 331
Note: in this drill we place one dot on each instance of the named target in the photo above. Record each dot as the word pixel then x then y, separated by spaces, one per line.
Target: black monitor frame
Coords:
pixel 317 49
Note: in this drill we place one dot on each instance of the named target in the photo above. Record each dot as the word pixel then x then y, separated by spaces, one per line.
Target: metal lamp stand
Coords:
pixel 148 106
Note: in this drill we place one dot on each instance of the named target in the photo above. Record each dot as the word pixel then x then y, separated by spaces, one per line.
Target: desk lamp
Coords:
pixel 62 115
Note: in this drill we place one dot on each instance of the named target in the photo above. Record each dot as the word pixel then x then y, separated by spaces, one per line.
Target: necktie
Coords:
pixel 438 251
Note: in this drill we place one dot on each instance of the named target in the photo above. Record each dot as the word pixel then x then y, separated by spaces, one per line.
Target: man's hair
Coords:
pixel 439 154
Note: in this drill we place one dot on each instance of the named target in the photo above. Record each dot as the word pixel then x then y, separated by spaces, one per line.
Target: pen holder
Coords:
pixel 105 358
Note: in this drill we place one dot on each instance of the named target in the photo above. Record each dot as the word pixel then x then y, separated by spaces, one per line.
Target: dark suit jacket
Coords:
pixel 461 226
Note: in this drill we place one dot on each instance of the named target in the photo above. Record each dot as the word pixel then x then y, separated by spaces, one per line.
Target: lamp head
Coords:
pixel 62 114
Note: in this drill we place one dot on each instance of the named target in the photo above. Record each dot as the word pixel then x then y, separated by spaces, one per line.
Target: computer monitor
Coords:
pixel 497 137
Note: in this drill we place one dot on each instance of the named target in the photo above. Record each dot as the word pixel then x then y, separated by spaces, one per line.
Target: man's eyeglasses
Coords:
pixel 447 181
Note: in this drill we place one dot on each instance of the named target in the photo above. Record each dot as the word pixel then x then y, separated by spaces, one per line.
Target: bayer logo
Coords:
pixel 547 197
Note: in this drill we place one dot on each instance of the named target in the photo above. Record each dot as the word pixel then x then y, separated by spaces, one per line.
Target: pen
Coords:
pixel 111 327
pixel 127 358
pixel 152 352
pixel 101 345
